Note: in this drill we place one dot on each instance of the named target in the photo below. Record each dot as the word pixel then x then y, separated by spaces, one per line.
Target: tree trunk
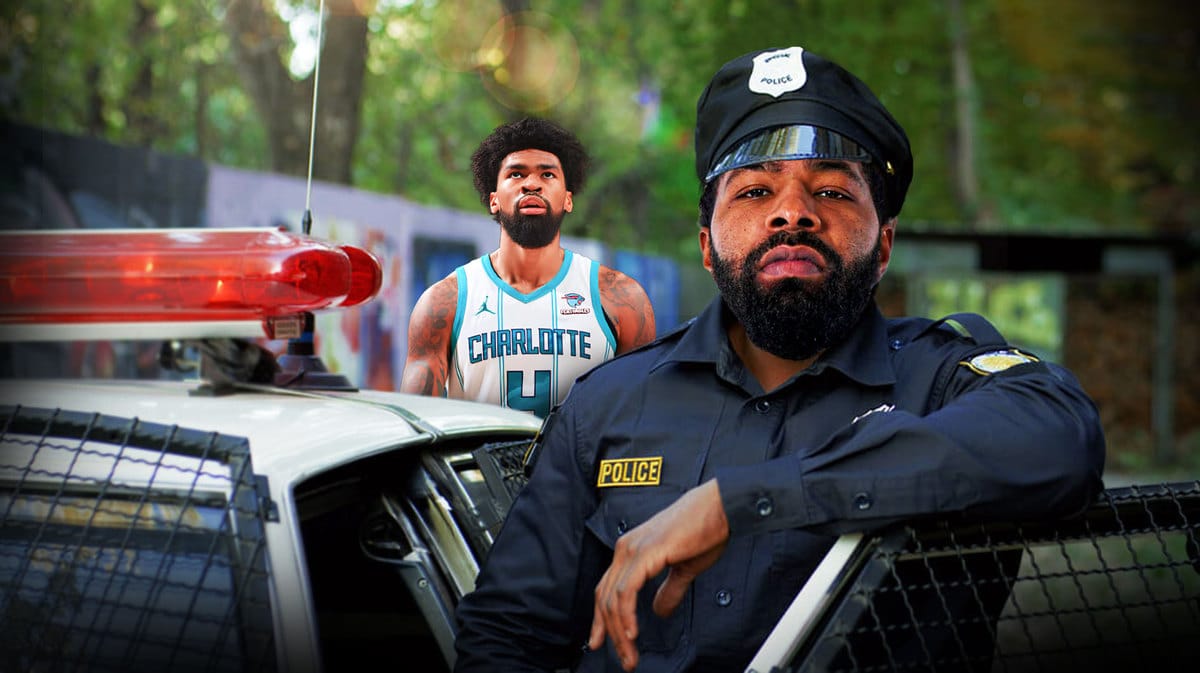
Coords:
pixel 93 122
pixel 966 181
pixel 200 111
pixel 142 123
pixel 259 39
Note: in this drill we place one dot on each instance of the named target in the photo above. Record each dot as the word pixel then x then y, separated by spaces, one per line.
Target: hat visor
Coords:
pixel 790 142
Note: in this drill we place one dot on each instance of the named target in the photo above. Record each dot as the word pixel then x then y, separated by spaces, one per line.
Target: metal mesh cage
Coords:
pixel 504 463
pixel 1116 589
pixel 129 546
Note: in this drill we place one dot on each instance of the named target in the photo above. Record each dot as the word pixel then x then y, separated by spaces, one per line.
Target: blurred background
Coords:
pixel 1056 186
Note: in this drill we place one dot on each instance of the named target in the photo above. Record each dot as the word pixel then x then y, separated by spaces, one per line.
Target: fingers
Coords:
pixel 679 579
pixel 689 536
pixel 615 612
pixel 596 637
pixel 671 592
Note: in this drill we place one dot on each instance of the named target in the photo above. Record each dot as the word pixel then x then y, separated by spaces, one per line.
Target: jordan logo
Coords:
pixel 484 308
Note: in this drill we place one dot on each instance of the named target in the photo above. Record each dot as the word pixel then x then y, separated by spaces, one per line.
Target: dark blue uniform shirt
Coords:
pixel 906 417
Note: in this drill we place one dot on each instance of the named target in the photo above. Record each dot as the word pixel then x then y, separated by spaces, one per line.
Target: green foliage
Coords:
pixel 1084 111
pixel 1027 310
pixel 84 67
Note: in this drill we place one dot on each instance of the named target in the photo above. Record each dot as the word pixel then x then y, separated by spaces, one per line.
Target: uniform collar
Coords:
pixel 863 357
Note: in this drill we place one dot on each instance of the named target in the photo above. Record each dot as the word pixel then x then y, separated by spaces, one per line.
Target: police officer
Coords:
pixel 684 492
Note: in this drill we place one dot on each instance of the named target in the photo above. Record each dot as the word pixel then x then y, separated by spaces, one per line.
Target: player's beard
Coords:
pixel 794 318
pixel 531 231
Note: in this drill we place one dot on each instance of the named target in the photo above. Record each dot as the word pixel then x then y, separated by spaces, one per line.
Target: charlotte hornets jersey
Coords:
pixel 525 350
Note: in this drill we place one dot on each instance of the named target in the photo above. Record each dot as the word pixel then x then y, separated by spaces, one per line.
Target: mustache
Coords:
pixel 521 197
pixel 804 238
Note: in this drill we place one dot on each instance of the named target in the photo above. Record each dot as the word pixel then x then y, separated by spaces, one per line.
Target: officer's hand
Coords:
pixel 688 537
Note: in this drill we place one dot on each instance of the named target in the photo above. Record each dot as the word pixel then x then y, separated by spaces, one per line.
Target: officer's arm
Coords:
pixel 531 607
pixel 429 329
pixel 685 539
pixel 627 308
pixel 1022 444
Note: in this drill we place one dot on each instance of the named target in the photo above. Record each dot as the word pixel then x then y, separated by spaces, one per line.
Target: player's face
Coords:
pixel 796 249
pixel 531 197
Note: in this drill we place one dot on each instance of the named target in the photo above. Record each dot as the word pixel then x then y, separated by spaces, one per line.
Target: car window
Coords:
pixel 392 542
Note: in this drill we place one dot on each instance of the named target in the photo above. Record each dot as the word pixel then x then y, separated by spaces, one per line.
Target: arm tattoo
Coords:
pixel 628 307
pixel 421 380
pixel 428 363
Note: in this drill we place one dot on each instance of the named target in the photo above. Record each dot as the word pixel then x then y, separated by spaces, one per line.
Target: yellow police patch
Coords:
pixel 630 472
pixel 997 361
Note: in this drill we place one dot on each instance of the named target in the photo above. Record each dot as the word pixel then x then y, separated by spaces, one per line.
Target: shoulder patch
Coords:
pixel 997 361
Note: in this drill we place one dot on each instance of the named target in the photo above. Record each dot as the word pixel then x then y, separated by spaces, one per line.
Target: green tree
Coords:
pixel 1075 115
pixel 261 43
pixel 170 84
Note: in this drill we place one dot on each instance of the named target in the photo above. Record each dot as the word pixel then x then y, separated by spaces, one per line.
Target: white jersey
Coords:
pixel 524 351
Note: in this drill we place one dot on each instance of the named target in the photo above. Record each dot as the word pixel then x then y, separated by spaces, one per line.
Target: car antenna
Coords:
pixel 301 367
pixel 306 219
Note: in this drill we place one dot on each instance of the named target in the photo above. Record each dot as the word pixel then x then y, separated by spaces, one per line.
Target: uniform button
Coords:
pixel 724 597
pixel 863 501
pixel 896 344
pixel 762 406
pixel 764 507
pixel 622 527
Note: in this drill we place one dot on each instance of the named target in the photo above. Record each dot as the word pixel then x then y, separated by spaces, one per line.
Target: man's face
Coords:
pixel 531 198
pixel 796 249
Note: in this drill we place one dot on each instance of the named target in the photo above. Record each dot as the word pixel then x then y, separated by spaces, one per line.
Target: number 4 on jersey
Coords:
pixel 539 402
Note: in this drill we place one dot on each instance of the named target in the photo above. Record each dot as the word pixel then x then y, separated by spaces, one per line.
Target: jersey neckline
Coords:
pixel 507 289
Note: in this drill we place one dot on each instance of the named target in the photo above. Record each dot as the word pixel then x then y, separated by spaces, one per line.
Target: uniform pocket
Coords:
pixel 618 514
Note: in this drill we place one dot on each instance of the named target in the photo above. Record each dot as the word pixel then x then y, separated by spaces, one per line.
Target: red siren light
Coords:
pixel 366 276
pixel 168 275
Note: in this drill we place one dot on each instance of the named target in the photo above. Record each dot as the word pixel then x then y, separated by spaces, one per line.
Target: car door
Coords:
pixel 130 546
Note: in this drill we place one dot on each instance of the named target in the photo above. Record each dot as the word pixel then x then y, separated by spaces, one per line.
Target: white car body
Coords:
pixel 294 436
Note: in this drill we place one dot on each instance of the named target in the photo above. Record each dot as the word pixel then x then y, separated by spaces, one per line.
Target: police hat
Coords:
pixel 790 103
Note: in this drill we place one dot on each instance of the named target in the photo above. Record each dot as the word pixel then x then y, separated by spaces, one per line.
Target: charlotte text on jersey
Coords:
pixel 521 341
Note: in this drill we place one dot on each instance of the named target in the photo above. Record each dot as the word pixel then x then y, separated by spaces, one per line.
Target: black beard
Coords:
pixel 793 318
pixel 531 231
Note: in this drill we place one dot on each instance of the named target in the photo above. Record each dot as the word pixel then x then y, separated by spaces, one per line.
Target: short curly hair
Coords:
pixel 530 133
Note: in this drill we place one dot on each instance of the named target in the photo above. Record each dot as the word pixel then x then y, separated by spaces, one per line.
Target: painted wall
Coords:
pixel 418 245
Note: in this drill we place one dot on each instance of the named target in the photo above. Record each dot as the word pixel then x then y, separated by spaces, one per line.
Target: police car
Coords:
pixel 259 513
pixel 263 514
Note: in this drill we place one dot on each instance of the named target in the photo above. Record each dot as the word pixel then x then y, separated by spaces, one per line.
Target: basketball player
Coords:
pixel 517 326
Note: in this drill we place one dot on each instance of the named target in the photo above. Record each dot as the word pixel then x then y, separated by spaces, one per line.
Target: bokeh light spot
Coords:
pixel 538 64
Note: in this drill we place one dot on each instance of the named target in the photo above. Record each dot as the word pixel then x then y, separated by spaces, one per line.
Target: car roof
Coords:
pixel 292 434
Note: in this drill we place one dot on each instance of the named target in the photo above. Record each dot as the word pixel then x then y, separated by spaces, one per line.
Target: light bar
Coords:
pixel 140 331
pixel 366 276
pixel 176 275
